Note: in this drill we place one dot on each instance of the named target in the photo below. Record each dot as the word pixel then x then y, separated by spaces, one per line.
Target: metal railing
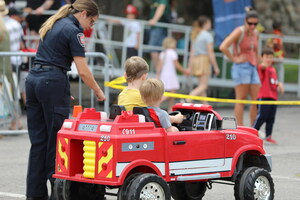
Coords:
pixel 222 81
pixel 97 70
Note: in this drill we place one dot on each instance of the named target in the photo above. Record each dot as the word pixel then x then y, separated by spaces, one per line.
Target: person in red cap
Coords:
pixel 133 30
pixel 133 27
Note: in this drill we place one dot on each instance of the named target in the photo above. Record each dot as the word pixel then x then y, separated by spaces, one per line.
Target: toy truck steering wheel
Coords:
pixel 173 114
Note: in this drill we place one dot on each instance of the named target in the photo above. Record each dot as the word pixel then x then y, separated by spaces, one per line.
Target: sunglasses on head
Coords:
pixel 251 23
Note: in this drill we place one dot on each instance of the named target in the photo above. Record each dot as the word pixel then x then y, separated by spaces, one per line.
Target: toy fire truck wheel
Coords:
pixel 69 190
pixel 90 191
pixel 123 191
pixel 188 191
pixel 57 189
pixel 63 189
pixel 148 186
pixel 254 183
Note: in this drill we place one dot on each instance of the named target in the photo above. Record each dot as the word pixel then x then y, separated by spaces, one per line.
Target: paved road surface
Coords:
pixel 286 161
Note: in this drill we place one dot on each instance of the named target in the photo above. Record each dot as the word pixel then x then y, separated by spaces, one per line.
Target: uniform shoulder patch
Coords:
pixel 81 39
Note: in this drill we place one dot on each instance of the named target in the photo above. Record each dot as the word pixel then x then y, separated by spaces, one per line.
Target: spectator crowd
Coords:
pixel 246 74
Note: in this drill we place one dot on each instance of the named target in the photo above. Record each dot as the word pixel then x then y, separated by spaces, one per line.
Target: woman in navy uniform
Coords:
pixel 48 89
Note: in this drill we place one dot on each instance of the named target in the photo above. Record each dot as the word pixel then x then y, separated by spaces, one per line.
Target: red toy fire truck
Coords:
pixel 126 151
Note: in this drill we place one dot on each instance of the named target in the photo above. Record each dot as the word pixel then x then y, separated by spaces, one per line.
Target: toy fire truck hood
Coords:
pixel 248 130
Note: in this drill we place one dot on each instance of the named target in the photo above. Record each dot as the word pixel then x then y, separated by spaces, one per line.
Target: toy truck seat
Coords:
pixel 150 117
pixel 115 110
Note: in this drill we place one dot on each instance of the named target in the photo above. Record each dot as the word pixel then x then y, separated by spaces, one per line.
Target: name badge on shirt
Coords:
pixel 81 39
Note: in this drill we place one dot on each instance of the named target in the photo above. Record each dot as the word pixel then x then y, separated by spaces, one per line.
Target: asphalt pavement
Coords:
pixel 286 163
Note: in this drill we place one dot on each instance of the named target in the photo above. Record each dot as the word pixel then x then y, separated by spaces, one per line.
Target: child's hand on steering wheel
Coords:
pixel 176 117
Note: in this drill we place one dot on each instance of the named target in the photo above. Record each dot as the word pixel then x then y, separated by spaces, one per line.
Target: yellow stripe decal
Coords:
pixel 63 154
pixel 106 160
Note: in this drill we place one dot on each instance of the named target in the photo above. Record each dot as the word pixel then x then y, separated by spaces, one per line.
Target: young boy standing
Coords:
pixel 136 71
pixel 152 91
pixel 133 30
pixel 268 92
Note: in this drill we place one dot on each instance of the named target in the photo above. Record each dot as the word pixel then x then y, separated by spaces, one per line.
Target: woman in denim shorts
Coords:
pixel 245 58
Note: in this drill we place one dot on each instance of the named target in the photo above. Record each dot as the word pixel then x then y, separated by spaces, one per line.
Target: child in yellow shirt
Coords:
pixel 136 71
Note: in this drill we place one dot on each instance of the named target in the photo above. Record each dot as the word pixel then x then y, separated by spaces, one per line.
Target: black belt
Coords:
pixel 40 66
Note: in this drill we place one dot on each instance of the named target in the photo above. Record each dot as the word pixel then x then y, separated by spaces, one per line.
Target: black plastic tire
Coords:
pixel 65 189
pixel 88 191
pixel 69 190
pixel 57 189
pixel 123 190
pixel 148 186
pixel 254 183
pixel 188 191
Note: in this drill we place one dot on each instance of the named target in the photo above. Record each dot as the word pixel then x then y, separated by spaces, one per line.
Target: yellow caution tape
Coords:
pixel 120 80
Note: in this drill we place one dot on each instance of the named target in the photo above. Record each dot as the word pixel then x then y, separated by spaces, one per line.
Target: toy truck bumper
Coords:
pixel 269 160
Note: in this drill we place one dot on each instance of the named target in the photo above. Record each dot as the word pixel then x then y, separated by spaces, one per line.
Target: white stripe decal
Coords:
pixel 198 105
pixel 200 166
pixel 198 177
pixel 121 166
pixel 186 104
pixel 188 167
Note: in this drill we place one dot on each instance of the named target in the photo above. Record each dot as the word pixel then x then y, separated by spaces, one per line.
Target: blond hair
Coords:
pixel 135 67
pixel 89 6
pixel 152 91
pixel 169 42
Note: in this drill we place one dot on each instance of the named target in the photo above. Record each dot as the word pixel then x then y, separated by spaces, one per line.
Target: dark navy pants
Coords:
pixel 47 102
pixel 265 114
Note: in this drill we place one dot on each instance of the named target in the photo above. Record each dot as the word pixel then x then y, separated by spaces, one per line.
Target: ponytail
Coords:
pixel 78 6
pixel 62 12
pixel 198 26
pixel 250 13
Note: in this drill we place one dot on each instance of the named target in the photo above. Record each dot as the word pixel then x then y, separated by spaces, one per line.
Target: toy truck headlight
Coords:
pixel 67 125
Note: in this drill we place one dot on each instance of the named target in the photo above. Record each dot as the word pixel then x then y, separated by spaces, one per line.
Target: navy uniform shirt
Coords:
pixel 61 43
pixel 34 4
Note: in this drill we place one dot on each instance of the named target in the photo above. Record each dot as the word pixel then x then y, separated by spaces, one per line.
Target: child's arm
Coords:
pixel 212 58
pixel 158 14
pixel 180 68
pixel 280 88
pixel 177 119
pixel 137 40
pixel 159 67
pixel 172 129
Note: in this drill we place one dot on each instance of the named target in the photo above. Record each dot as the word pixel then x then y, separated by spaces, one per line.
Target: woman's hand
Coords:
pixel 100 95
pixel 216 71
pixel 188 72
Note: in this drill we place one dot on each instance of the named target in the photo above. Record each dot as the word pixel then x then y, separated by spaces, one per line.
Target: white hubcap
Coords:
pixel 152 191
pixel 262 189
